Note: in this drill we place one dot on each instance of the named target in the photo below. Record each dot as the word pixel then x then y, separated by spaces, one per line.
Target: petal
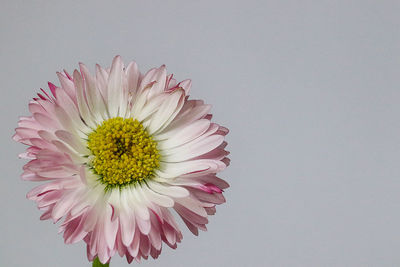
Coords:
pixel 165 111
pixel 188 133
pixel 94 97
pixel 173 191
pixel 101 81
pixel 184 118
pixel 193 149
pixel 115 88
pixel 82 104
pixel 133 76
pixel 67 86
pixel 156 77
pixel 72 140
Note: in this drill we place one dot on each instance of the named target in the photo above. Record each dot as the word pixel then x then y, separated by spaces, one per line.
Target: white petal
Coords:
pixel 171 170
pixel 134 247
pixel 101 81
pixel 45 121
pixel 63 205
pixel 71 124
pixel 134 200
pixel 160 78
pixel 182 121
pixel 188 133
pixel 67 85
pixel 110 227
pixel 127 224
pixel 193 149
pixel 115 87
pixel 173 115
pixel 156 78
pixel 159 199
pixel 192 205
pixel 139 103
pixel 151 106
pixel 72 153
pixel 165 111
pixel 133 75
pixel 80 93
pixel 94 98
pixel 173 191
pixel 186 85
pixel 72 140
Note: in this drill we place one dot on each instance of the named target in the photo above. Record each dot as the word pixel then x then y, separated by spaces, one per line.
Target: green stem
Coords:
pixel 97 263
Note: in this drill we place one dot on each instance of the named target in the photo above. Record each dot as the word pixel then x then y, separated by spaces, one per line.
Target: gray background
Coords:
pixel 309 89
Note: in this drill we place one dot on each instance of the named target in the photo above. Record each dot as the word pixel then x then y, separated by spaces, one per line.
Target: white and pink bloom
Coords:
pixel 118 152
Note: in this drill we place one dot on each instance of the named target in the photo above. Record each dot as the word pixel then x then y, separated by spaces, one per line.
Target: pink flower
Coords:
pixel 118 151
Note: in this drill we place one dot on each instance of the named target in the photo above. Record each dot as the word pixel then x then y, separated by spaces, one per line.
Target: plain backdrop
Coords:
pixel 309 90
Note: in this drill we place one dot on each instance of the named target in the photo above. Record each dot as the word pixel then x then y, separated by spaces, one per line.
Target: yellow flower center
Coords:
pixel 124 152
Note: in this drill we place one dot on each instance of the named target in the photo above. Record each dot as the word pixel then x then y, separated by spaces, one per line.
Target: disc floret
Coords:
pixel 124 152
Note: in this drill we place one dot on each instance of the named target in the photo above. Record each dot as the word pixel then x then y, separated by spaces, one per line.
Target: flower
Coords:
pixel 118 152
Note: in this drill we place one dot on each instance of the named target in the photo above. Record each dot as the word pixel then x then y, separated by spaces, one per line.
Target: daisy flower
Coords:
pixel 117 153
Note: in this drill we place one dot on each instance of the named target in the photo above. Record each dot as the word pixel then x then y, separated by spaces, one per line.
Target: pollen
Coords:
pixel 124 153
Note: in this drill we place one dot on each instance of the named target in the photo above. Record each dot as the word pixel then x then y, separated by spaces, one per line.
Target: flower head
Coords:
pixel 118 152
